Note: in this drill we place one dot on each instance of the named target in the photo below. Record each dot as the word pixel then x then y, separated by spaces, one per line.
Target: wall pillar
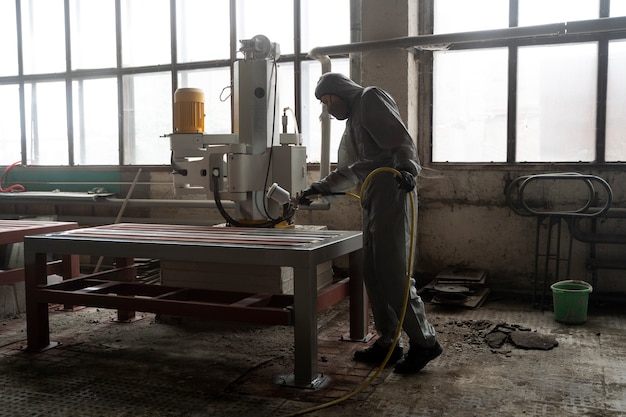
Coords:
pixel 394 70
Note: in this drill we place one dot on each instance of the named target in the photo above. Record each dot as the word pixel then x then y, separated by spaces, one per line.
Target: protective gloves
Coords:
pixel 303 197
pixel 407 182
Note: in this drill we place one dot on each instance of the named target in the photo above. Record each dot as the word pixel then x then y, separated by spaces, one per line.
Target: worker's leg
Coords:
pixel 390 225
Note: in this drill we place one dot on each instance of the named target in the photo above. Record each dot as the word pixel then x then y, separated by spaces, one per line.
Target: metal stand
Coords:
pixel 552 254
pixel 519 202
pixel 289 380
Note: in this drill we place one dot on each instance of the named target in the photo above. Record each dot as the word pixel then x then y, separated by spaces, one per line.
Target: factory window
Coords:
pixel 616 102
pixel 8 34
pixel 95 121
pixel 144 123
pixel 255 16
pixel 43 36
pixel 202 30
pixel 145 32
pixel 47 131
pixel 532 99
pixel 93 34
pixel 92 82
pixel 10 146
pixel 469 106
pixel 556 106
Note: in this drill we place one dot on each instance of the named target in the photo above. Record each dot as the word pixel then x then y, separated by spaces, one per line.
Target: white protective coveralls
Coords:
pixel 374 137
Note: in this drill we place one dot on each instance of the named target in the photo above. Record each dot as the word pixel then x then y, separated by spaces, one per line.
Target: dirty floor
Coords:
pixel 170 367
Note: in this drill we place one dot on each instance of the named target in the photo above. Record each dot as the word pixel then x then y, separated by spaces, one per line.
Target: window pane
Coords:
pixel 147 118
pixel 312 110
pixel 556 103
pixel 46 124
pixel 470 106
pixel 93 34
pixel 462 15
pixel 10 148
pixel 203 30
pixel 316 11
pixel 538 12
pixel 43 36
pixel 618 8
pixel 8 34
pixel 286 97
pixel 145 32
pixel 95 122
pixel 215 83
pixel 256 17
pixel 616 103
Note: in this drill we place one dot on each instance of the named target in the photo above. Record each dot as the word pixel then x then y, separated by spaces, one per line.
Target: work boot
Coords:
pixel 417 358
pixel 376 354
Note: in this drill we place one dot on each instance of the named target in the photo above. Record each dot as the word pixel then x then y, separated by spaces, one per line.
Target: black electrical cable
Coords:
pixel 288 212
pixel 177 169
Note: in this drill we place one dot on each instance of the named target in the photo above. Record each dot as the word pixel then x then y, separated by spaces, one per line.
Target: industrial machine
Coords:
pixel 243 165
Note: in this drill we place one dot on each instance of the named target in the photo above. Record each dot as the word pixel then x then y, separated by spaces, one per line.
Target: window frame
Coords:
pixel 426 86
pixel 69 76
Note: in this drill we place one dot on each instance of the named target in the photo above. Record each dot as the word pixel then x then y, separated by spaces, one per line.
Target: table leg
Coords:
pixel 128 276
pixel 305 326
pixel 37 324
pixel 70 268
pixel 358 300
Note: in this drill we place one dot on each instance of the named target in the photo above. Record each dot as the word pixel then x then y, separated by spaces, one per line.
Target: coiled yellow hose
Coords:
pixel 396 337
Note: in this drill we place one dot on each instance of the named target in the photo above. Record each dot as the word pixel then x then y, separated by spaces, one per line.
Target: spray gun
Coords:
pixel 279 194
pixel 283 197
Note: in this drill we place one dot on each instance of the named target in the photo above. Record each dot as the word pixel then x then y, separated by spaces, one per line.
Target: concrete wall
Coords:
pixel 464 220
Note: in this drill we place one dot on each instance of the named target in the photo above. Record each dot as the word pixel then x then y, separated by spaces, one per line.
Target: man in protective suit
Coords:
pixel 374 137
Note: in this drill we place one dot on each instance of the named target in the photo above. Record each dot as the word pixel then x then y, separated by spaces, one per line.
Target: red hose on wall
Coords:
pixel 15 188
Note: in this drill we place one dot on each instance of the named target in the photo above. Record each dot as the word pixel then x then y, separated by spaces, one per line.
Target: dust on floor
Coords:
pixel 169 367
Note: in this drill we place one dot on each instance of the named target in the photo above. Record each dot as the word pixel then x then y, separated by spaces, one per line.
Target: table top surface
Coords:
pixel 168 239
pixel 14 231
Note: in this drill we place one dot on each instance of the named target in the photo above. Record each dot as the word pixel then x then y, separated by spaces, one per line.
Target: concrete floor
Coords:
pixel 188 368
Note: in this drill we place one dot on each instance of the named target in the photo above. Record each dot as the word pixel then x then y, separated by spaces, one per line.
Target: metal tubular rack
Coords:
pixel 553 219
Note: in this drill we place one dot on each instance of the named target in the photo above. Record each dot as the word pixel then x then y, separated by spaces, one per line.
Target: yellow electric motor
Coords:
pixel 189 110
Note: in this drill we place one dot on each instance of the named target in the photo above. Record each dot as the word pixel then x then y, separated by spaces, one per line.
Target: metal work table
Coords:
pixel 14 231
pixel 303 250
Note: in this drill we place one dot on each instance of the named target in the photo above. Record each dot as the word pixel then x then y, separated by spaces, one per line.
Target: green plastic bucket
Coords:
pixel 571 298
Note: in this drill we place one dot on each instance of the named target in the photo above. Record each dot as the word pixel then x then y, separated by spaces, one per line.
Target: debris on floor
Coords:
pixel 495 335
pixel 533 340
pixel 519 336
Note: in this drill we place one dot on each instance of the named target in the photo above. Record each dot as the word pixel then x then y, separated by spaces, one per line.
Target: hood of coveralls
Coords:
pixel 379 116
pixel 339 85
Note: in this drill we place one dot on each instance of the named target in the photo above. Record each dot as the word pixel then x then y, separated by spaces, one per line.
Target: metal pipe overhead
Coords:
pixel 444 41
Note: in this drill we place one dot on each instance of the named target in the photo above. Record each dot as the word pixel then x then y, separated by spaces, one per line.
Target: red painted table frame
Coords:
pixel 14 231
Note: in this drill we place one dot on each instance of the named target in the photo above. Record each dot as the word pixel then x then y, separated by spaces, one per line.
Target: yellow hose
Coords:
pixel 396 337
